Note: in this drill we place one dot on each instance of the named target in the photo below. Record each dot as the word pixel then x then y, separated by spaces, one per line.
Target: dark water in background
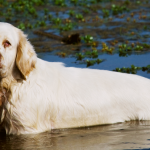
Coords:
pixel 129 135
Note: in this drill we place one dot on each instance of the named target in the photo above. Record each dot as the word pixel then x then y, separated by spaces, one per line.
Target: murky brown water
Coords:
pixel 129 135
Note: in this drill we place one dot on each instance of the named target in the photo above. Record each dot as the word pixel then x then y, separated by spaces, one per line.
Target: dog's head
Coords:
pixel 17 56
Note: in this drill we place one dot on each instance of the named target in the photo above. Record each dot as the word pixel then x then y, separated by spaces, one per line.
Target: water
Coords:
pixel 129 135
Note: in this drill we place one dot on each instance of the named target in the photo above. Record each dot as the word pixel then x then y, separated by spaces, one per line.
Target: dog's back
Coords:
pixel 84 97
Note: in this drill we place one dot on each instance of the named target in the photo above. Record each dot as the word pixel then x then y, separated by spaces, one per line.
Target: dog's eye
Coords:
pixel 6 44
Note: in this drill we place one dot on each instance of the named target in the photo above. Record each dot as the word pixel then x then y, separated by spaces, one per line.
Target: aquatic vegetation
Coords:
pixel 71 12
pixel 60 2
pixel 88 39
pixel 92 62
pixel 133 69
pixel 66 27
pixel 92 54
pixel 79 17
pixel 74 1
pixel 127 2
pixel 118 9
pixel 105 13
pixel 138 2
pixel 21 26
pixel 78 23
pixel 124 49
pixel 89 54
pixel 40 23
pixel 86 11
pixel 79 56
pixel 107 49
pixel 26 7
pixel 138 48
pixel 145 45
pixel 56 21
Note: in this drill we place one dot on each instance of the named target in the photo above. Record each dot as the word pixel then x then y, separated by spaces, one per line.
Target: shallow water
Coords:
pixel 129 135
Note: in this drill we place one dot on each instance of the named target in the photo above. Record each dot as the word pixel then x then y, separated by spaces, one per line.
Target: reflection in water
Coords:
pixel 128 135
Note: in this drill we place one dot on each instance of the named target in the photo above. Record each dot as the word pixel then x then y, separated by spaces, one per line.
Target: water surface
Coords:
pixel 129 135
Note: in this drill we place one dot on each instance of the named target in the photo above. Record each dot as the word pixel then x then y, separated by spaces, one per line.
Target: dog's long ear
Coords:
pixel 26 56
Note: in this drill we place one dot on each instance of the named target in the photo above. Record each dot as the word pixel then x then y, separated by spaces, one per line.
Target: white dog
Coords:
pixel 37 96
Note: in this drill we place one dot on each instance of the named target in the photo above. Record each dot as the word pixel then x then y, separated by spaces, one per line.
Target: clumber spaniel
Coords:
pixel 37 96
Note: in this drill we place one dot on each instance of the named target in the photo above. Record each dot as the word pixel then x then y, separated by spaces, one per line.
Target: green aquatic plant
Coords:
pixel 147 68
pixel 79 56
pixel 138 2
pixel 92 62
pixel 29 25
pixel 124 49
pixel 145 45
pixel 105 13
pixel 126 2
pixel 86 11
pixel 60 2
pixel 93 1
pixel 79 17
pixel 133 69
pixel 71 12
pixel 145 27
pixel 40 23
pixel 45 11
pixel 88 39
pixel 22 26
pixel 74 1
pixel 122 53
pixel 66 27
pixel 3 3
pixel 92 54
pixel 98 61
pixel 118 9
pixel 26 7
pixel 56 21
pixel 138 48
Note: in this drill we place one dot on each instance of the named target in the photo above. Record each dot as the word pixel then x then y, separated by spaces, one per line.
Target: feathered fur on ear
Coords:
pixel 26 56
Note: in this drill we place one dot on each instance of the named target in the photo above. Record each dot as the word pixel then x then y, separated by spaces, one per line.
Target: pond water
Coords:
pixel 120 24
pixel 129 135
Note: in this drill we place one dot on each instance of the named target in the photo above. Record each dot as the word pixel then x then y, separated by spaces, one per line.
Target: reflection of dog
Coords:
pixel 37 95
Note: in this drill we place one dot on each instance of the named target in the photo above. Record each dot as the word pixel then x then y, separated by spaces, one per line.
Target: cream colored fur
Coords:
pixel 46 95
